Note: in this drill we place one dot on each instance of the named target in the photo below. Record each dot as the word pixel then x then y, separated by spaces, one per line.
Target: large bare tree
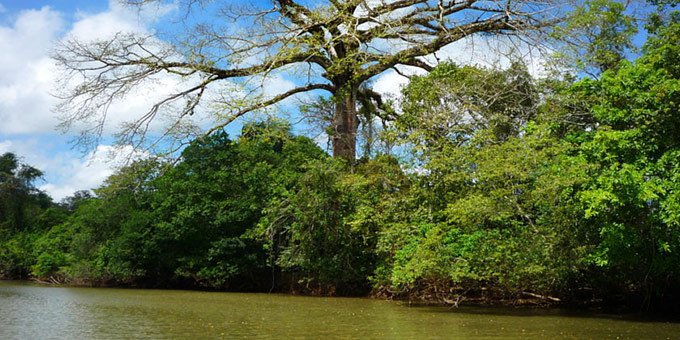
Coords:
pixel 335 46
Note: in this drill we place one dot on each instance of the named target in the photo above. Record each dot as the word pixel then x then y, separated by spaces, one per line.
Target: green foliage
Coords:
pixel 218 193
pixel 502 217
pixel 631 198
pixel 173 225
pixel 16 256
pixel 51 251
pixel 20 200
pixel 597 36
pixel 581 194
pixel 22 212
pixel 325 229
pixel 512 187
pixel 452 103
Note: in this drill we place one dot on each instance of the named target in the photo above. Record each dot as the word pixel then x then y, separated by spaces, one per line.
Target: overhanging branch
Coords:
pixel 270 102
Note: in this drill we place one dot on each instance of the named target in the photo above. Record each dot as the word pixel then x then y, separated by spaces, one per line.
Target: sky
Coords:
pixel 28 33
pixel 29 30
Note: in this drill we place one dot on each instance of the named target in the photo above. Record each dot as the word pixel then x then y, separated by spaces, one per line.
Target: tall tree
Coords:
pixel 633 198
pixel 597 36
pixel 335 46
pixel 17 190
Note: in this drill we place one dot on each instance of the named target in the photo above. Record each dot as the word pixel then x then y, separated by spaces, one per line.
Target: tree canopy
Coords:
pixel 336 46
pixel 505 187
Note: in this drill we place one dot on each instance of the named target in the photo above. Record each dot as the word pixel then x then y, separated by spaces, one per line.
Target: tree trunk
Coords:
pixel 345 126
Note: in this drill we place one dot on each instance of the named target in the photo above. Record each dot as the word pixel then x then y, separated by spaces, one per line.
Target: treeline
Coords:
pixel 507 187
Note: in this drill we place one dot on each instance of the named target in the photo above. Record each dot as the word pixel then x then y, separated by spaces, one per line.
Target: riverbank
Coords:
pixel 523 300
pixel 28 310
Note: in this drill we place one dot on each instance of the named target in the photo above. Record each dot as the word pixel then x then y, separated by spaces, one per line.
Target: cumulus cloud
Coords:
pixel 390 83
pixel 102 26
pixel 67 172
pixel 28 75
pixel 479 51
pixel 118 18
pixel 90 172
pixel 24 149
pixel 27 80
pixel 26 71
pixel 495 51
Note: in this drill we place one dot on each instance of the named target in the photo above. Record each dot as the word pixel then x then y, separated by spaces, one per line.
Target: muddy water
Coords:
pixel 30 311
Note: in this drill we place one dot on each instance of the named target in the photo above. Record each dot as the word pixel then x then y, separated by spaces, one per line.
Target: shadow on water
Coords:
pixel 539 311
pixel 33 311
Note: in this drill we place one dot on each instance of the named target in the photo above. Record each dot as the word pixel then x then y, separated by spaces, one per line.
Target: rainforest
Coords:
pixel 490 185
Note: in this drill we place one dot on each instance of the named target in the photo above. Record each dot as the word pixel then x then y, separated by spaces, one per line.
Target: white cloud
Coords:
pixel 275 85
pixel 118 18
pixel 26 72
pixel 495 52
pixel 390 83
pixel 28 75
pixel 485 52
pixel 65 171
pixel 103 25
pixel 90 172
pixel 33 152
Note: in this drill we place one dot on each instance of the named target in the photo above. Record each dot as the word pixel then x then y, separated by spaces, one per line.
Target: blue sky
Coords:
pixel 29 30
pixel 66 7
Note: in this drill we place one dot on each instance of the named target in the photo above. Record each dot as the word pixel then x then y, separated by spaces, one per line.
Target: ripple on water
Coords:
pixel 39 312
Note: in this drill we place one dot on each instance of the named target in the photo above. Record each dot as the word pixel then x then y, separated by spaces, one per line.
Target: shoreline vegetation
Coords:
pixel 523 301
pixel 529 299
pixel 490 185
pixel 198 314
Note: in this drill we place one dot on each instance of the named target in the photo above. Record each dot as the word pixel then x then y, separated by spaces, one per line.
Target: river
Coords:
pixel 30 311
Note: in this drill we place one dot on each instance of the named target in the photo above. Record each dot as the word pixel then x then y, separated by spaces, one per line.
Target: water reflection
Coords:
pixel 30 311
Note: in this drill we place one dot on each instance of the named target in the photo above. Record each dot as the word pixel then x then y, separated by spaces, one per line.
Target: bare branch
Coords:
pixel 341 42
pixel 269 102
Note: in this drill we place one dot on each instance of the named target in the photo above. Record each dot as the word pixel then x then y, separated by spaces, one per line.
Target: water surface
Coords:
pixel 29 311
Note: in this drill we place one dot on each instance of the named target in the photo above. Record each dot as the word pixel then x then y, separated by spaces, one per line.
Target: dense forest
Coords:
pixel 491 184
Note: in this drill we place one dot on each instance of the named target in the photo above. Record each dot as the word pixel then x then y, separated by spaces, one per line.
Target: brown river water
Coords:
pixel 30 311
